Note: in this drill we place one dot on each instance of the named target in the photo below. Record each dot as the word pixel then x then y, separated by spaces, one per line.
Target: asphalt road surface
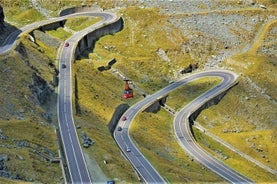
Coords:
pixel 75 159
pixel 182 130
pixel 186 139
pixel 74 156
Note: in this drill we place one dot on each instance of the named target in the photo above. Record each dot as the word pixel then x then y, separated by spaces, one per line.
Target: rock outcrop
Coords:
pixel 2 17
pixel 40 89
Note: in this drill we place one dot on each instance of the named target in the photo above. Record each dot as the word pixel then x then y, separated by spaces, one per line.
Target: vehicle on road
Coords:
pixel 66 44
pixel 128 149
pixel 63 66
pixel 119 128
pixel 124 118
pixel 128 92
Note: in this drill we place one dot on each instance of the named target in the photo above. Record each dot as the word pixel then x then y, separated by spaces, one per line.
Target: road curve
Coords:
pixel 184 135
pixel 74 156
pixel 182 130
pixel 10 41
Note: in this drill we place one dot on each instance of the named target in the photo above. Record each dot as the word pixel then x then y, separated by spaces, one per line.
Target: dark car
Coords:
pixel 66 44
pixel 119 128
pixel 63 66
pixel 123 118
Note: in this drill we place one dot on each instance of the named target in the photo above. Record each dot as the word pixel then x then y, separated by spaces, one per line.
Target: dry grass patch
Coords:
pixel 20 12
pixel 59 33
pixel 246 120
pixel 183 95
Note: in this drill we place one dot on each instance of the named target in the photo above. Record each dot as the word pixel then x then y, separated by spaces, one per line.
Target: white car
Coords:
pixel 128 149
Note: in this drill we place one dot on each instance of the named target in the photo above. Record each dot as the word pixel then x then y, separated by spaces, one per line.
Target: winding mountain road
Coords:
pixel 74 155
pixel 181 127
pixel 75 158
pixel 183 130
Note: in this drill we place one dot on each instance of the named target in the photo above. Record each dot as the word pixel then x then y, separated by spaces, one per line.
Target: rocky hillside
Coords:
pixel 27 113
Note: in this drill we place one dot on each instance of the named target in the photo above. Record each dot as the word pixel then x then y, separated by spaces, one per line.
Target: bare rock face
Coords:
pixel 2 17
pixel 40 89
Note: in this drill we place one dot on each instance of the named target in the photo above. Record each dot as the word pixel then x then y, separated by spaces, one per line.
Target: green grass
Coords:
pixel 76 24
pixel 59 33
pixel 181 96
pixel 135 48
pixel 46 53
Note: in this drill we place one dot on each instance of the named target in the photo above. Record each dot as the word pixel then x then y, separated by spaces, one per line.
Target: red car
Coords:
pixel 66 44
pixel 123 118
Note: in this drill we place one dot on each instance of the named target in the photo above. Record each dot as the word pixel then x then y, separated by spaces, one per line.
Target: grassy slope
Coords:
pixel 94 89
pixel 20 12
pixel 80 23
pixel 236 105
pixel 96 113
pixel 137 44
pixel 23 121
pixel 154 135
pixel 181 96
pixel 249 109
pixel 32 166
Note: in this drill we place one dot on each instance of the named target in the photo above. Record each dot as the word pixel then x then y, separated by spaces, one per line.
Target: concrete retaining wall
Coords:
pixel 209 103
pixel 156 106
pixel 77 9
pixel 53 25
pixel 88 41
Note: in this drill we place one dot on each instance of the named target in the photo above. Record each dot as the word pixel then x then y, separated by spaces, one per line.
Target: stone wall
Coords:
pixel 77 9
pixel 214 101
pixel 88 41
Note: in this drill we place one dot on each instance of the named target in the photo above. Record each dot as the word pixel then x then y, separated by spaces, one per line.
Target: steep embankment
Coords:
pixel 27 114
